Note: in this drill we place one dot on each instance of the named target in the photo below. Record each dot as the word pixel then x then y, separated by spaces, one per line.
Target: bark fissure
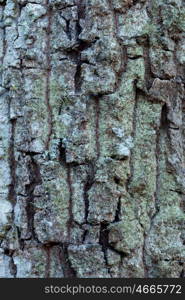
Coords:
pixel 81 46
pixel 70 209
pixel 97 124
pixel 92 138
pixel 87 186
pixel 68 167
pixel 118 211
pixel 134 118
pixel 149 78
pixel 47 249
pixel 123 49
pixel 35 179
pixel 68 270
pixel 12 163
pixel 104 242
pixel 48 74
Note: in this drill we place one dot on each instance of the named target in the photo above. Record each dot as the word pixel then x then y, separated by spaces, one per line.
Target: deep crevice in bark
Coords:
pixel 88 184
pixel 70 209
pixel 159 132
pixel 48 74
pixel 68 167
pixel 35 179
pixel 134 118
pixel 149 78
pixel 47 249
pixel 104 242
pixel 68 270
pixel 118 211
pixel 12 163
pixel 97 124
pixel 20 240
pixel 81 46
pixel 123 49
pixel 80 232
pixel 145 267
pixel 12 265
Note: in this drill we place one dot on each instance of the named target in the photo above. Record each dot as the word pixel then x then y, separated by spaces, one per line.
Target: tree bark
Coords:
pixel 92 138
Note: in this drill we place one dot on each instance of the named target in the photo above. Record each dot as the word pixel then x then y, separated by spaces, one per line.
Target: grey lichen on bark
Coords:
pixel 92 135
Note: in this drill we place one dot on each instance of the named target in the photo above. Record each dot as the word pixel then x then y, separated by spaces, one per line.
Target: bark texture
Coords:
pixel 92 138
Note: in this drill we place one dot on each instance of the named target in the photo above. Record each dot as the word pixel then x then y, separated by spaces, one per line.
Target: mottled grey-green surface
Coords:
pixel 92 138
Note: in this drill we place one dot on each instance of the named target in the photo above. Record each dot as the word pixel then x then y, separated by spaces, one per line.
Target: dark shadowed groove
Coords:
pixel 88 184
pixel 81 45
pixel 182 274
pixel 97 125
pixel 4 34
pixel 118 211
pixel 104 242
pixel 35 179
pixel 145 267
pixel 77 77
pixel 13 268
pixel 134 121
pixel 131 162
pixel 157 153
pixel 48 261
pixel 68 168
pixel 20 240
pixel 12 265
pixel 48 73
pixel 12 163
pixel 68 270
pixel 123 49
pixel 149 78
pixel 70 207
pixel 159 132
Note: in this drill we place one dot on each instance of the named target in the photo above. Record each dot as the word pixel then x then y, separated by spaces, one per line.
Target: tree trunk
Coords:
pixel 92 138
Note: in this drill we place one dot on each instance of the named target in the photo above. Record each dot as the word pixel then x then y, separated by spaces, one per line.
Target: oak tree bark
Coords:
pixel 92 138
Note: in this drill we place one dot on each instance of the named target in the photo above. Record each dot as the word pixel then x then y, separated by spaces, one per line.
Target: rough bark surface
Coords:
pixel 92 138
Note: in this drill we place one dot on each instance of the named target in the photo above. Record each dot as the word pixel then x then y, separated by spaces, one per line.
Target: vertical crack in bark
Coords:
pixel 47 249
pixel 12 265
pixel 145 267
pixel 123 66
pixel 81 15
pixel 131 162
pixel 77 78
pixel 67 166
pixel 163 127
pixel 148 73
pixel 118 211
pixel 62 249
pixel 88 184
pixel 12 164
pixel 160 131
pixel 157 189
pixel 70 209
pixel 35 179
pixel 134 121
pixel 48 74
pixel 4 46
pixel 13 268
pixel 123 49
pixel 20 240
pixel 67 30
pixel 104 242
pixel 182 274
pixel 97 125
pixel 68 270
pixel 82 45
